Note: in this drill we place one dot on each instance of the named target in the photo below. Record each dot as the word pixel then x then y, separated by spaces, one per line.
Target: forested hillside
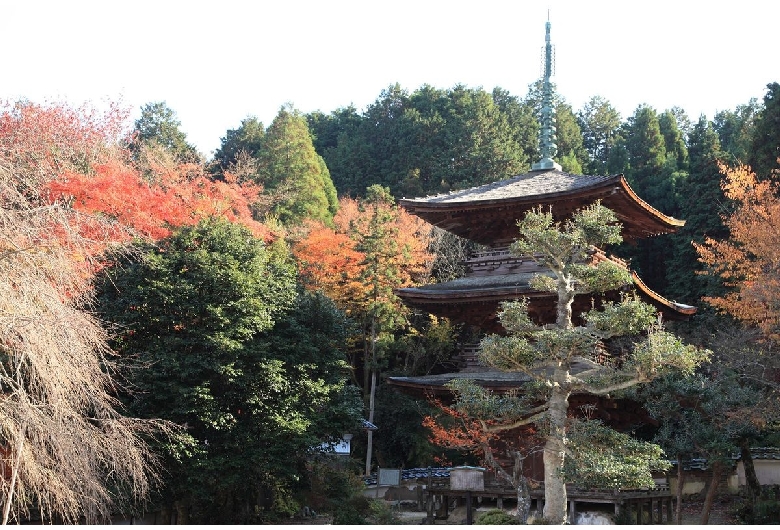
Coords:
pixel 235 313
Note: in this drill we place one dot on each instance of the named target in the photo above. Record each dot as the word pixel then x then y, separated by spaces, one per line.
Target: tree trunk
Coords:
pixel 751 480
pixel 555 500
pixel 717 466
pixel 372 394
pixel 679 491
pixel 523 495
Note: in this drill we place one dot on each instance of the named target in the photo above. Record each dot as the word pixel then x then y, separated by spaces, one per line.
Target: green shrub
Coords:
pixel 496 517
pixel 765 509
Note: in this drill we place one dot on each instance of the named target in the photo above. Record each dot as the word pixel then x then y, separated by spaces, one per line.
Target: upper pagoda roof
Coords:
pixel 488 214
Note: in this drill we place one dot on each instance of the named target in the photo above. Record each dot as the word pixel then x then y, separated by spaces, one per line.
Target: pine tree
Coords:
pixel 547 354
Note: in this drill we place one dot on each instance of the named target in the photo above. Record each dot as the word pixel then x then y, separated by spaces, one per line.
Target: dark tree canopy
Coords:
pixel 159 126
pixel 765 147
pixel 222 343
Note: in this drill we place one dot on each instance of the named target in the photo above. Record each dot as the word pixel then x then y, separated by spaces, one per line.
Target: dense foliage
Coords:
pixel 224 363
pixel 219 340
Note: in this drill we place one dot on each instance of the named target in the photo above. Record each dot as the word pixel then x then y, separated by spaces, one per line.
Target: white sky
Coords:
pixel 214 63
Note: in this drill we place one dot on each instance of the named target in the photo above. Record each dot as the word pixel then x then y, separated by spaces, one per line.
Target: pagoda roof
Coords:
pixel 476 299
pixel 488 214
pixel 495 380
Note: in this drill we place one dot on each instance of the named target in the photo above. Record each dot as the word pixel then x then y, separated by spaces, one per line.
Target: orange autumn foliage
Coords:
pixel 329 260
pixel 749 261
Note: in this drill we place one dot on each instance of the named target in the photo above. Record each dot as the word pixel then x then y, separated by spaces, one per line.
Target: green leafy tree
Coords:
pixel 735 130
pixel 655 178
pixel 674 140
pixel 572 154
pixel 159 127
pixel 647 152
pixel 712 414
pixel 339 138
pixel 239 145
pixel 289 164
pixel 765 145
pixel 426 142
pixel 549 353
pixel 522 121
pixel 600 125
pixel 222 344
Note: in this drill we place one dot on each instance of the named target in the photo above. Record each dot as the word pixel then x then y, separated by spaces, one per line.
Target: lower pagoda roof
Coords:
pixel 476 299
pixel 492 379
pixel 488 214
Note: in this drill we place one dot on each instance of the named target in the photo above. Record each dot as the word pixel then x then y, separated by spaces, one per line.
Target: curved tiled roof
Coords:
pixel 488 214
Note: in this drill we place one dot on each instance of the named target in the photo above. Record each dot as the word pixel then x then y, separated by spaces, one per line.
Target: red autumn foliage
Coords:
pixel 152 210
pixel 456 430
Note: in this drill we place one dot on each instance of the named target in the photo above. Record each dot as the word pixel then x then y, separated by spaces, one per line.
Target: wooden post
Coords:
pixel 469 514
pixel 669 502
pixel 639 509
pixel 572 511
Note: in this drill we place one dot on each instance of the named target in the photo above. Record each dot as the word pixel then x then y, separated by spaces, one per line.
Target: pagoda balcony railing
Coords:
pixel 500 260
pixel 468 357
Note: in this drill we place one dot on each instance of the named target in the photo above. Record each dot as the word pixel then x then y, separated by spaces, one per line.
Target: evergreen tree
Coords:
pixel 455 139
pixel 572 154
pixel 522 121
pixel 338 139
pixel 220 342
pixel 648 175
pixel 647 152
pixel 547 354
pixel 674 141
pixel 600 125
pixel 245 141
pixel 765 146
pixel 703 203
pixel 290 167
pixel 735 131
pixel 159 127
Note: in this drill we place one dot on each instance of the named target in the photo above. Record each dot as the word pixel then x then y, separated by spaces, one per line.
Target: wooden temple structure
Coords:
pixel 488 215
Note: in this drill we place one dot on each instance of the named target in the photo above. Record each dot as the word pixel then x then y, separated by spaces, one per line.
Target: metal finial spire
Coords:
pixel 547 146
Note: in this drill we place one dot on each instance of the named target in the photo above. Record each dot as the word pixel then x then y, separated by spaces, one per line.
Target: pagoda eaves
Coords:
pixel 488 214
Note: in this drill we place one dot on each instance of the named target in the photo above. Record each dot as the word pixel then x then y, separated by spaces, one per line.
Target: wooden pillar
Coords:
pixel 469 514
pixel 572 511
pixel 429 519
pixel 639 509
